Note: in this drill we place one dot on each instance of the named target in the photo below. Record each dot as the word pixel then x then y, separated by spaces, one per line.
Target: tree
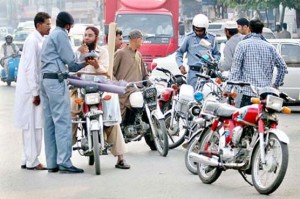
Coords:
pixel 257 5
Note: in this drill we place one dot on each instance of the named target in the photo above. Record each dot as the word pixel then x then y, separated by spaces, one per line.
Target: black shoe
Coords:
pixel 71 169
pixel 23 166
pixel 122 165
pixel 53 170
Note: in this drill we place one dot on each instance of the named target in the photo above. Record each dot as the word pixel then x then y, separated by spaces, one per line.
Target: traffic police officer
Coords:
pixel 192 46
pixel 56 54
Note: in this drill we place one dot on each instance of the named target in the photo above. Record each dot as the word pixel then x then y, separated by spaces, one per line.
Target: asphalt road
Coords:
pixel 151 176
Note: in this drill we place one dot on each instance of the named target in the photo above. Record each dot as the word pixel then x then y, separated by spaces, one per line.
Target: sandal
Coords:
pixel 122 165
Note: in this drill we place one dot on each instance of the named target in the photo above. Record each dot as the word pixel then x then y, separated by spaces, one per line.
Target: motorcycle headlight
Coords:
pixel 195 110
pixel 92 98
pixel 274 103
pixel 198 96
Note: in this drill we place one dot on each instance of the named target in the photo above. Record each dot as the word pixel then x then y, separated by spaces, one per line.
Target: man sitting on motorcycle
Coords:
pixel 7 49
pixel 99 66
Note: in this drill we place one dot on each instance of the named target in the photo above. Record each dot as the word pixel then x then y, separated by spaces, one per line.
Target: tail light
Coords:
pixel 233 95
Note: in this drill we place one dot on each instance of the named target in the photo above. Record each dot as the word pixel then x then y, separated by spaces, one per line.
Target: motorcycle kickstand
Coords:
pixel 245 177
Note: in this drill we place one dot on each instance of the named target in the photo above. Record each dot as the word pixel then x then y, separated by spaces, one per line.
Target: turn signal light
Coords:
pixel 218 81
pixel 233 95
pixel 78 100
pixel 286 110
pixel 107 97
pixel 255 100
pixel 174 86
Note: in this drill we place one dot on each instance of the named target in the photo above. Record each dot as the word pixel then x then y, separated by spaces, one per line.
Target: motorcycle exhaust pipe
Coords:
pixel 213 161
pixel 204 160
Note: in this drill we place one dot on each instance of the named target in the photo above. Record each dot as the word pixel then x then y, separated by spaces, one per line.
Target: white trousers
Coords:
pixel 32 144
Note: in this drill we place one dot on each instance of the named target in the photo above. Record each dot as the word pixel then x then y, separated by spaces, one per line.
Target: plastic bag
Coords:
pixel 111 110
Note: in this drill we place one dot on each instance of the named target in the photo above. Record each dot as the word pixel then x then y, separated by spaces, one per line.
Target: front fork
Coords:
pixel 99 129
pixel 157 113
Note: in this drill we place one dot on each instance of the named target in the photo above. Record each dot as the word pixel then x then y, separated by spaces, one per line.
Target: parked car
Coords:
pixel 217 28
pixel 290 51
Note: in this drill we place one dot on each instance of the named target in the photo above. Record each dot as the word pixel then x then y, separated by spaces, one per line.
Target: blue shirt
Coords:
pixel 254 61
pixel 191 45
pixel 57 53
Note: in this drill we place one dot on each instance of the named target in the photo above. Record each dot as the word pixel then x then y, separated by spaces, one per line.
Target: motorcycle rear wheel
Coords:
pixel 96 149
pixel 209 174
pixel 267 179
pixel 160 137
pixel 177 133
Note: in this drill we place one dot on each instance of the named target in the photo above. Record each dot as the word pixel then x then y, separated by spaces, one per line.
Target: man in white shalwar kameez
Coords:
pixel 28 110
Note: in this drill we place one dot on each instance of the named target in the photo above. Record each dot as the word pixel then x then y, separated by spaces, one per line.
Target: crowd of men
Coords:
pixel 43 97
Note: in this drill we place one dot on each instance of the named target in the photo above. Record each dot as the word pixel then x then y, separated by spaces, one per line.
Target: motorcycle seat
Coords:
pixel 219 109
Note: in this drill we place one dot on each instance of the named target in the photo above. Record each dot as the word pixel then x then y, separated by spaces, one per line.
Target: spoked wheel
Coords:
pixel 194 146
pixel 267 178
pixel 160 136
pixel 176 133
pixel 96 149
pixel 208 142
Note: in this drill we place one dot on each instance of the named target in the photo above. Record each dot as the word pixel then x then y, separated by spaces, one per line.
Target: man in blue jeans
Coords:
pixel 56 54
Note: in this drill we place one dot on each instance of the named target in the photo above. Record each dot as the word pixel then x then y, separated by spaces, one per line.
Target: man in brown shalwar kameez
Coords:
pixel 129 66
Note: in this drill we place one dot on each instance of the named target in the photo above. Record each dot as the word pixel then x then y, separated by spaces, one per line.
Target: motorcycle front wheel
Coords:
pixel 176 133
pixel 267 178
pixel 96 149
pixel 160 137
pixel 208 142
pixel 194 146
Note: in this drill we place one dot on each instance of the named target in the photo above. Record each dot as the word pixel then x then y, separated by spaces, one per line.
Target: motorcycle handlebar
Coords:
pixel 238 83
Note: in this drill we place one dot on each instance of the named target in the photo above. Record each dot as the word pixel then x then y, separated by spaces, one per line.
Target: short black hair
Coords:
pixel 256 26
pixel 284 26
pixel 242 22
pixel 40 17
pixel 232 31
pixel 119 32
pixel 64 18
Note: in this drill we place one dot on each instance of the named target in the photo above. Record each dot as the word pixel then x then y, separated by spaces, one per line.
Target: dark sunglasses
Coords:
pixel 199 29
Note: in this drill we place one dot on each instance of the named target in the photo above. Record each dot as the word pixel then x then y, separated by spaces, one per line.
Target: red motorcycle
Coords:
pixel 245 139
pixel 174 82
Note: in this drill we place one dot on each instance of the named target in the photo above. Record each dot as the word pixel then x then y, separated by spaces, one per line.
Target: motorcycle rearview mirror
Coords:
pixel 205 43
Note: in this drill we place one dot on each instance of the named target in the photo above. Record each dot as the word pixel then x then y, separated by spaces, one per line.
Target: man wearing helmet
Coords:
pixel 7 49
pixel 192 46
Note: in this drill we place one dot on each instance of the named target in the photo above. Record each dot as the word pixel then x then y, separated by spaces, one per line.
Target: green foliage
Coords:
pixel 260 4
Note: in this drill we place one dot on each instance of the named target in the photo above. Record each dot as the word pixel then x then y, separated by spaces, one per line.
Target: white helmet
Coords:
pixel 200 21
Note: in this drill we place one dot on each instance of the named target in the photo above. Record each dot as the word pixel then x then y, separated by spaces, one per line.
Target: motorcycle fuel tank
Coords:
pixel 246 115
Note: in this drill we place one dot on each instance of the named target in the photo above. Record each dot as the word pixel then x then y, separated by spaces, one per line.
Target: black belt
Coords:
pixel 55 76
pixel 196 68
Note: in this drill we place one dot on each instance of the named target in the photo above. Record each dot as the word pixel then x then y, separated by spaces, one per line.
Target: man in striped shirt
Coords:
pixel 254 61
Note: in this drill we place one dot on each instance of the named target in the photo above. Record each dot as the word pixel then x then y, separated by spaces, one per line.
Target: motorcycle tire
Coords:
pixel 96 149
pixel 149 140
pixel 176 136
pixel 192 147
pixel 275 165
pixel 91 160
pixel 8 83
pixel 160 137
pixel 208 174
